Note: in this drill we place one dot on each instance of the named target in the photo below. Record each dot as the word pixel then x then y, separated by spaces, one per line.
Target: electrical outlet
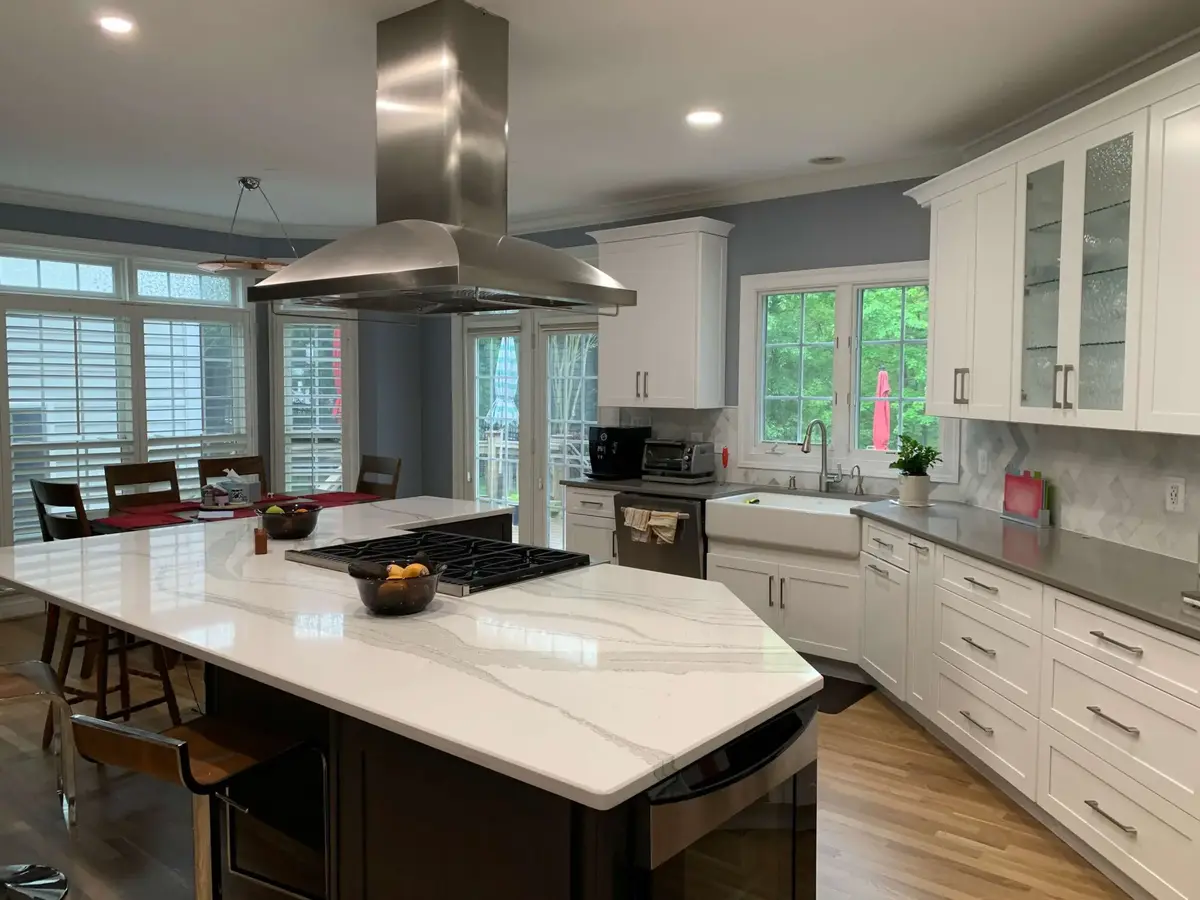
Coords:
pixel 982 462
pixel 1175 497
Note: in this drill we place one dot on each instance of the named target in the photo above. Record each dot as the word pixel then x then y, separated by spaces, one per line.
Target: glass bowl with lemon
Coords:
pixel 289 521
pixel 396 589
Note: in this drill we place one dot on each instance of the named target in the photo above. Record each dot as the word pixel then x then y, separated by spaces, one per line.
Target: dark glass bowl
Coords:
pixel 399 597
pixel 290 525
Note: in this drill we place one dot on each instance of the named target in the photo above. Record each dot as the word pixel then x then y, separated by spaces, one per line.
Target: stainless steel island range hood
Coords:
pixel 441 189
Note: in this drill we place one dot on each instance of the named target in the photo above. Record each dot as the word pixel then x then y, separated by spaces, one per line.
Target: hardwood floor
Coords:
pixel 900 817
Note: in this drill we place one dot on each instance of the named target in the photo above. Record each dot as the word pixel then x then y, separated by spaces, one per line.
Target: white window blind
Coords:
pixel 195 393
pixel 70 402
pixel 312 407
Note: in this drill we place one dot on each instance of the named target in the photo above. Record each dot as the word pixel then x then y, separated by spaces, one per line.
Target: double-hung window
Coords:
pixel 110 359
pixel 843 347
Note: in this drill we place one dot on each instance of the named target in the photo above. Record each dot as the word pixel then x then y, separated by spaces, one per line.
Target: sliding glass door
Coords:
pixel 495 433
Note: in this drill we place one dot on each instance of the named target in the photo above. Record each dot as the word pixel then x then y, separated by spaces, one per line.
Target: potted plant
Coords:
pixel 913 459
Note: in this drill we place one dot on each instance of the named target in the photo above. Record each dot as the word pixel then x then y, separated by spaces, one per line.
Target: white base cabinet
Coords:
pixel 812 602
pixel 885 623
pixel 593 535
pixel 1091 713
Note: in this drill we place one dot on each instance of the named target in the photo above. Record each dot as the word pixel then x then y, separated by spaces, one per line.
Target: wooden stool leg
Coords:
pixel 123 672
pixel 102 634
pixel 202 845
pixel 64 665
pixel 88 666
pixel 50 637
pixel 164 675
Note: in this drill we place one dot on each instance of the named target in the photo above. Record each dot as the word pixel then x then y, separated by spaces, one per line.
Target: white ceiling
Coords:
pixel 206 91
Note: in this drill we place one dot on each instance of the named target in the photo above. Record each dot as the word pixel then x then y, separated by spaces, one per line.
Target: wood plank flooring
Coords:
pixel 900 818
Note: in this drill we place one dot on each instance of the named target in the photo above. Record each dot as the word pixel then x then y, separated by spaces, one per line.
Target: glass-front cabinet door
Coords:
pixel 1079 250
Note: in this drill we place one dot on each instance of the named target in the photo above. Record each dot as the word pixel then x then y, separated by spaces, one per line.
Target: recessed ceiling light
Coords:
pixel 116 24
pixel 827 160
pixel 704 118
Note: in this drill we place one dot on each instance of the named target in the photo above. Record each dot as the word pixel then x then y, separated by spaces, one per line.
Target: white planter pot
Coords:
pixel 914 490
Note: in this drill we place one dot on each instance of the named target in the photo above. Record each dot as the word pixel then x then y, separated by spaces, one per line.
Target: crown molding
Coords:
pixel 743 192
pixel 139 213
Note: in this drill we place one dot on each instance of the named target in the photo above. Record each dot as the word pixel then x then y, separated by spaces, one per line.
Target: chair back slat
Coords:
pixel 379 475
pixel 56 526
pixel 127 475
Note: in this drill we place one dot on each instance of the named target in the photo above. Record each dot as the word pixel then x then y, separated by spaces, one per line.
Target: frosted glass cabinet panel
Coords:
pixel 1080 216
pixel 1108 183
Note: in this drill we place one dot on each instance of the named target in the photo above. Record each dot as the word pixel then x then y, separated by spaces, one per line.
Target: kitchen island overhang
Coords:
pixel 587 687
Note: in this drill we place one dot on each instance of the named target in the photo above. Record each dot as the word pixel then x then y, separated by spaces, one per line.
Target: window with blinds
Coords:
pixel 195 393
pixel 70 404
pixel 312 407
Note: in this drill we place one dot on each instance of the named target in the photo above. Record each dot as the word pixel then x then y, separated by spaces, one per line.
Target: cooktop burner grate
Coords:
pixel 472 564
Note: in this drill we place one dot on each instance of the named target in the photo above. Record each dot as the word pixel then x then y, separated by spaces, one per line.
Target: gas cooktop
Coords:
pixel 472 564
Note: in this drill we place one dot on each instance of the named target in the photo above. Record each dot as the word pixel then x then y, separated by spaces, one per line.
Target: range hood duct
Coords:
pixel 441 189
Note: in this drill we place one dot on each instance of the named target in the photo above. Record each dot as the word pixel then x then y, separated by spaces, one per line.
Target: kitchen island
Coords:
pixel 500 744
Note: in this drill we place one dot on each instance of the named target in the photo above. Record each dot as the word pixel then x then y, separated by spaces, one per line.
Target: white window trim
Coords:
pixel 351 460
pixel 125 258
pixel 846 281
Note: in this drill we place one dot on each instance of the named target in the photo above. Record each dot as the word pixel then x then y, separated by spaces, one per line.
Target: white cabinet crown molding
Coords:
pixel 694 225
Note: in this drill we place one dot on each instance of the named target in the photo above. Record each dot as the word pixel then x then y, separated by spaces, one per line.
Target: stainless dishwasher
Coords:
pixel 683 557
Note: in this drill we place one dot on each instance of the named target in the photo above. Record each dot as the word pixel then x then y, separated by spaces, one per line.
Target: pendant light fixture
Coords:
pixel 229 263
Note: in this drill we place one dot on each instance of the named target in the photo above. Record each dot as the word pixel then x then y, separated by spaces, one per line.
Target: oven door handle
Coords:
pixel 676 790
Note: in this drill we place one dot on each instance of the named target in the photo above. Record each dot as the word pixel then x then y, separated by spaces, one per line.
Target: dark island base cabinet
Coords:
pixel 411 821
pixel 497 528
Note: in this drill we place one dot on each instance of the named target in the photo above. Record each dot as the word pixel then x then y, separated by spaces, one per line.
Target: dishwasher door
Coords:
pixel 683 557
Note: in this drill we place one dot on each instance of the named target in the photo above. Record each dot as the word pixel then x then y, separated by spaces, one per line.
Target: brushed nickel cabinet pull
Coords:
pixel 1095 807
pixel 595 503
pixel 1128 648
pixel 1067 370
pixel 770 590
pixel 979 647
pixel 1054 388
pixel 637 380
pixel 970 718
pixel 614 545
pixel 646 385
pixel 878 571
pixel 782 590
pixel 1099 713
pixel 979 584
pixel 884 544
pixel 918 547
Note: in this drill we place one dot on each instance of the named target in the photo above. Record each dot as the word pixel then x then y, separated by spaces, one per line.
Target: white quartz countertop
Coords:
pixel 592 684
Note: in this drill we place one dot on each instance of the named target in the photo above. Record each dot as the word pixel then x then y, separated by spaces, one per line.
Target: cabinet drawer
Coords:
pixel 998 732
pixel 590 503
pixel 883 543
pixel 1002 654
pixel 1140 833
pixel 1169 661
pixel 1007 593
pixel 1149 735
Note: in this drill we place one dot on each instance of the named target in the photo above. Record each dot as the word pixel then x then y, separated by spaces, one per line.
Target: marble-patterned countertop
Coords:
pixel 592 684
pixel 1145 585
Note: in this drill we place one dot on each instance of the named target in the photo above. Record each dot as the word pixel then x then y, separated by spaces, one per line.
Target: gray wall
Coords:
pixel 437 407
pixel 852 227
pixel 390 400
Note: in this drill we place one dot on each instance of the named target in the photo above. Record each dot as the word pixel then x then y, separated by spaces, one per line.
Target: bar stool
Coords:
pixel 34 680
pixel 32 883
pixel 206 756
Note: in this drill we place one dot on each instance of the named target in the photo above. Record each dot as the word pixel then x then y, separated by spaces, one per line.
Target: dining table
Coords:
pixel 184 512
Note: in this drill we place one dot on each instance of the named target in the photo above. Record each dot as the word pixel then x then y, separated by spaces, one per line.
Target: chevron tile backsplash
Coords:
pixel 1110 484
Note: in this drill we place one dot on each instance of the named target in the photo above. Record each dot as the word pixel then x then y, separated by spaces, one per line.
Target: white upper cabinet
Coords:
pixel 1080 214
pixel 667 352
pixel 970 303
pixel 1103 234
pixel 1168 399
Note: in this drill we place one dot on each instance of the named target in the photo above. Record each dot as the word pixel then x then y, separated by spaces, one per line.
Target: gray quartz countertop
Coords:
pixel 666 489
pixel 1145 585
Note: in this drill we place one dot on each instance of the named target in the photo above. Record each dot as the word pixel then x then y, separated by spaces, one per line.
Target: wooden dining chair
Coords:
pixel 56 526
pixel 379 475
pixel 213 468
pixel 138 475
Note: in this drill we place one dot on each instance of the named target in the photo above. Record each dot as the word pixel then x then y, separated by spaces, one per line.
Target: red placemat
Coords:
pixel 131 521
pixel 342 498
